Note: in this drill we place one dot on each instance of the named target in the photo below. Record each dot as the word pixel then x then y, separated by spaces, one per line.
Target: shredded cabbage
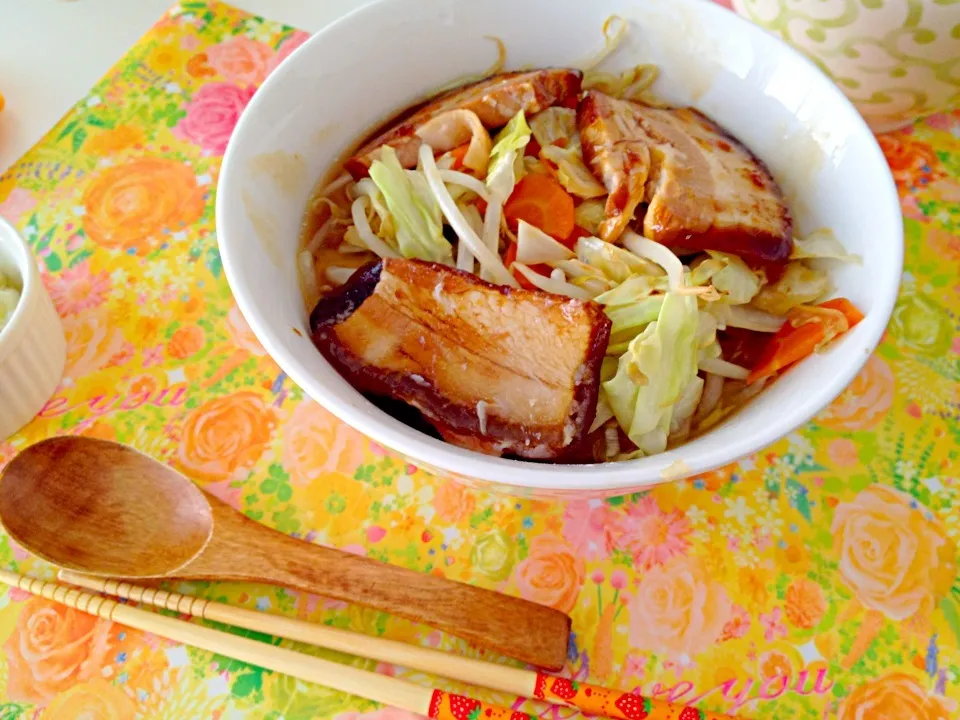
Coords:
pixel 651 376
pixel 821 244
pixel 738 283
pixel 633 290
pixel 684 409
pixel 414 209
pixel 616 263
pixel 554 124
pixel 660 254
pixel 798 285
pixel 572 173
pixel 535 246
pixel 634 317
pixel 512 139
pixel 590 214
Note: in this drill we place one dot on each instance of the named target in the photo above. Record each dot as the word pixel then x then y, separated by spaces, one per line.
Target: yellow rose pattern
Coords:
pixel 816 579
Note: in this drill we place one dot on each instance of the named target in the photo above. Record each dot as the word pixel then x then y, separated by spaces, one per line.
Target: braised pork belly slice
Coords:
pixel 702 188
pixel 501 370
pixel 494 100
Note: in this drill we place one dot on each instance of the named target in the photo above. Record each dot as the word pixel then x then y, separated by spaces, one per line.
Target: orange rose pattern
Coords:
pixel 51 648
pixel 815 579
pixel 225 436
pixel 894 553
pixel 893 697
pixel 315 442
pixel 133 205
pixel 678 609
pixel 551 574
pixel 96 699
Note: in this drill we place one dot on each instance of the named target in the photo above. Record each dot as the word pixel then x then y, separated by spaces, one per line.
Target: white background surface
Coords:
pixel 53 51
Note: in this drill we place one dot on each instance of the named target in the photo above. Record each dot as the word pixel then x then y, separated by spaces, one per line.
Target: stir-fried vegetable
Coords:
pixel 414 209
pixel 535 246
pixel 652 375
pixel 798 285
pixel 510 142
pixel 614 262
pixel 806 330
pixel 589 214
pixel 365 234
pixel 488 259
pixel 554 126
pixel 821 244
pixel 572 172
pixel 737 283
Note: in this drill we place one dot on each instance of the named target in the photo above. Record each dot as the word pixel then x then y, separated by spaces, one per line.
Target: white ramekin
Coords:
pixel 32 346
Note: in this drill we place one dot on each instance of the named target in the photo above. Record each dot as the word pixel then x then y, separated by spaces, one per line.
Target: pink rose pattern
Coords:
pixel 212 114
pixel 681 591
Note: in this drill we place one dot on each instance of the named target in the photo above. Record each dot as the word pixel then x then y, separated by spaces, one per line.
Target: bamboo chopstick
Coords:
pixel 431 702
pixel 592 699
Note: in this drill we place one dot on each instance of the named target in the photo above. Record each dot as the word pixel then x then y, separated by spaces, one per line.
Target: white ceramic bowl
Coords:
pixel 385 56
pixel 32 346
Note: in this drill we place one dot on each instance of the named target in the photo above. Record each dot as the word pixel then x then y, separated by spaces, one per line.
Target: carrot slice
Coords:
pixel 458 153
pixel 510 257
pixel 541 201
pixel 799 337
pixel 848 309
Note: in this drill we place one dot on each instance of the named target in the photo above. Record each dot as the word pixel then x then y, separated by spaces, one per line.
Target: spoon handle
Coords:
pixel 244 550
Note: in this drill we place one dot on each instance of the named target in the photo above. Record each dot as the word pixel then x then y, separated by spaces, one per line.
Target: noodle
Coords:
pixel 365 233
pixel 610 41
pixel 308 277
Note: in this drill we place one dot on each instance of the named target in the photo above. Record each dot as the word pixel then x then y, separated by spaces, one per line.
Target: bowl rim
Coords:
pixel 607 478
pixel 29 277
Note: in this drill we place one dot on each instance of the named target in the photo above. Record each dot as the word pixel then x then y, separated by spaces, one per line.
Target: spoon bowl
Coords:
pixel 100 508
pixel 108 523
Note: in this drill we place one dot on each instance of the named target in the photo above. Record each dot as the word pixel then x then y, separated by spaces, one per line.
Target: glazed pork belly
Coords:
pixel 500 370
pixel 701 188
pixel 495 101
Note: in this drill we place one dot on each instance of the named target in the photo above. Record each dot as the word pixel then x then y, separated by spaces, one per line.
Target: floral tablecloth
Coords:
pixel 815 579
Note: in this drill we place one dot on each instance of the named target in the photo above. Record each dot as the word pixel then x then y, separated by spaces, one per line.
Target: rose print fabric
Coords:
pixel 816 579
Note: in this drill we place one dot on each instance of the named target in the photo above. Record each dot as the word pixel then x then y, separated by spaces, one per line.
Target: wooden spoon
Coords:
pixel 105 509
